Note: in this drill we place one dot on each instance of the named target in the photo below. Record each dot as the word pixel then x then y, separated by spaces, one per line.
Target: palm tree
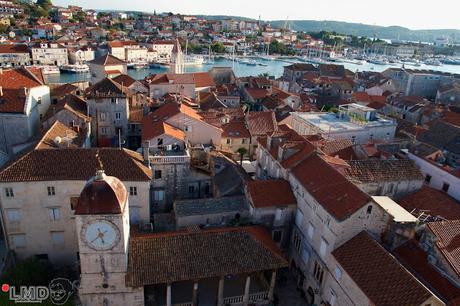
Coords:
pixel 242 151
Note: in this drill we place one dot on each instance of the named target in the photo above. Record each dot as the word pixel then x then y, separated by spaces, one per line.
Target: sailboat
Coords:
pixel 210 59
pixel 267 56
pixel 192 60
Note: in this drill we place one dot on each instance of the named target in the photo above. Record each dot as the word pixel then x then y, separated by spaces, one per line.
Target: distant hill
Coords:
pixel 359 29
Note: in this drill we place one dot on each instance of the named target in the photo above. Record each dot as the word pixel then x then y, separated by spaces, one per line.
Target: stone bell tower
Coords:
pixel 177 59
pixel 102 221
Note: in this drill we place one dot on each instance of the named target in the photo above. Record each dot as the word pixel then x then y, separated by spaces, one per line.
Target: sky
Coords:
pixel 414 14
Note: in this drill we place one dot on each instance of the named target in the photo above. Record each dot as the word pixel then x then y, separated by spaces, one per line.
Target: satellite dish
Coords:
pixel 57 140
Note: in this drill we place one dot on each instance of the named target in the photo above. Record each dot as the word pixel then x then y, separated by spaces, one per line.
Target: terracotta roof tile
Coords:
pixel 19 78
pixel 430 201
pixel 261 123
pixel 75 164
pixel 107 60
pixel 16 48
pixel 235 129
pixel 12 101
pixel 330 188
pixel 378 274
pixel 107 88
pixel 448 241
pixel 71 103
pixel 270 193
pixel 415 259
pixel 155 259
pixel 58 129
pixel 377 170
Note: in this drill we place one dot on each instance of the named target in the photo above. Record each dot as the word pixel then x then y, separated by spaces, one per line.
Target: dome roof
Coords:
pixel 102 194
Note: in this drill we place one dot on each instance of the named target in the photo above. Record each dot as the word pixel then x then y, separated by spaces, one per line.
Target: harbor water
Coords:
pixel 271 67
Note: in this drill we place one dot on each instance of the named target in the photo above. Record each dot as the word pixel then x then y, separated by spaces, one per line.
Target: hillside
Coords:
pixel 358 29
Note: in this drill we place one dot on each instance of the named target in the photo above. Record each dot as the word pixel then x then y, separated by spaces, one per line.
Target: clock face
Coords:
pixel 101 235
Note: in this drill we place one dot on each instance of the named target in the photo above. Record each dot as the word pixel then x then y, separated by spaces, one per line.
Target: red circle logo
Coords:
pixel 5 287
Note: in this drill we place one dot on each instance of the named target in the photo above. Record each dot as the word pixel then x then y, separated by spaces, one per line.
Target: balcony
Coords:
pixel 169 159
pixel 166 155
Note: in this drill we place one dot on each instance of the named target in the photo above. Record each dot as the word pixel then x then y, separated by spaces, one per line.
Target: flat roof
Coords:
pixel 328 122
pixel 398 212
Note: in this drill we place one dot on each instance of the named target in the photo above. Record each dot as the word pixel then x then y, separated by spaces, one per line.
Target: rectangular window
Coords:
pixel 103 116
pixel 55 214
pixel 318 272
pixel 311 230
pixel 298 218
pixel 133 191
pixel 13 214
pixel 191 188
pixel 333 298
pixel 57 238
pixel 445 187
pixel 9 192
pixel 277 235
pixel 51 191
pixel 297 240
pixel 229 141
pixel 323 247
pixel 118 116
pixel 157 174
pixel 338 273
pixel 158 195
pixel 103 131
pixel 18 240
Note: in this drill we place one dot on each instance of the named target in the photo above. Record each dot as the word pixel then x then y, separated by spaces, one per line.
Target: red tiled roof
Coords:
pixel 330 188
pixel 203 79
pixel 75 164
pixel 415 259
pixel 378 274
pixel 124 79
pixel 235 129
pixel 448 241
pixel 261 123
pixel 257 93
pixel 204 253
pixel 270 193
pixel 12 101
pixel 168 78
pixel 71 103
pixel 16 48
pixel 432 202
pixel 107 60
pixel 151 130
pixel 19 78
pixel 58 129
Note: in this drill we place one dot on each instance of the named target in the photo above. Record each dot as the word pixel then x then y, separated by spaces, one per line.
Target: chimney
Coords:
pixel 26 91
pixel 1 91
pixel 1 70
pixel 146 153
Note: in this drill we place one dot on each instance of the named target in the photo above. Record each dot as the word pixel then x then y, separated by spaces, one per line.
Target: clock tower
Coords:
pixel 102 221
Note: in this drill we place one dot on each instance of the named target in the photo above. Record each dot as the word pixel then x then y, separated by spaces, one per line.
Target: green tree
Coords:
pixel 45 4
pixel 218 47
